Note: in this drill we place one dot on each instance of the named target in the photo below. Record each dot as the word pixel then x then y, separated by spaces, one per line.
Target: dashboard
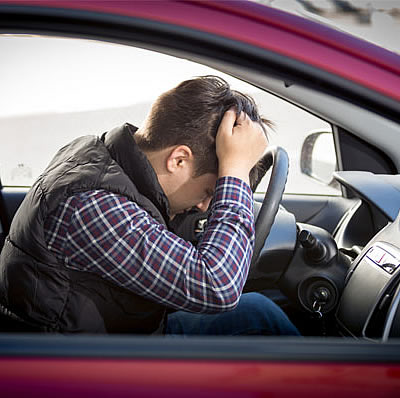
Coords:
pixel 369 306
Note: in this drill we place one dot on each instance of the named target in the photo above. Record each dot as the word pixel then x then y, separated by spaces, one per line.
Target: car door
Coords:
pixel 126 365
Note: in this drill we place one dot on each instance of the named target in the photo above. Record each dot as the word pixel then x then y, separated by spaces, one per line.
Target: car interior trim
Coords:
pixel 213 348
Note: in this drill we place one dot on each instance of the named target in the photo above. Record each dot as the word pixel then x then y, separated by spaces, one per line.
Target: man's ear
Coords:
pixel 179 158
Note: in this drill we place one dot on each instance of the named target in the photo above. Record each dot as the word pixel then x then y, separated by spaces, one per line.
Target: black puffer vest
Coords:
pixel 35 286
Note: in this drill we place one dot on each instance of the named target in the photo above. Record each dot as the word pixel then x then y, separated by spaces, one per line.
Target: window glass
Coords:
pixel 56 89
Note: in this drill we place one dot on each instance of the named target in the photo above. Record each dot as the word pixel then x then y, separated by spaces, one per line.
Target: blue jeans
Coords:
pixel 255 314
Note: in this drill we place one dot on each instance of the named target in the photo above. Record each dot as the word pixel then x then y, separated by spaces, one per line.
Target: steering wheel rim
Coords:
pixel 278 158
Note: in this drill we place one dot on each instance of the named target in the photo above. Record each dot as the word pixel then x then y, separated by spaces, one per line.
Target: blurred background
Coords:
pixel 377 21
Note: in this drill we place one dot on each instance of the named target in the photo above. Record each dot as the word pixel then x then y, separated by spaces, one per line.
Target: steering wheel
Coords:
pixel 278 158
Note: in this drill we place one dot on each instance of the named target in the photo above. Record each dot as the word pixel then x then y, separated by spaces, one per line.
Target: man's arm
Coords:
pixel 109 235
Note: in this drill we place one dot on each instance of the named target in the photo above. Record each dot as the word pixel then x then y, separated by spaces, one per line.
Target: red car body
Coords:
pixel 100 378
pixel 44 366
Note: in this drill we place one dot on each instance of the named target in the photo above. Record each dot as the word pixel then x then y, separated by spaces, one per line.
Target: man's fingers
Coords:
pixel 241 118
pixel 228 121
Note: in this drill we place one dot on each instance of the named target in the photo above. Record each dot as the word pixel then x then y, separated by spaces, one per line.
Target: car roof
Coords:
pixel 264 27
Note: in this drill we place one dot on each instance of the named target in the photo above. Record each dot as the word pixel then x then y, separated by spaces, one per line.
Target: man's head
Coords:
pixel 188 116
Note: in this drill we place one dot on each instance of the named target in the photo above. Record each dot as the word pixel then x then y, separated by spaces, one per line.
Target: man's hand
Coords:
pixel 239 146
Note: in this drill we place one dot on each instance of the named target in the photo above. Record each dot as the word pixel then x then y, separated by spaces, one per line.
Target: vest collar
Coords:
pixel 124 150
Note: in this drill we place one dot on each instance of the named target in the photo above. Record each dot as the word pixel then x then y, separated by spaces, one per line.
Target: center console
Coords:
pixel 370 303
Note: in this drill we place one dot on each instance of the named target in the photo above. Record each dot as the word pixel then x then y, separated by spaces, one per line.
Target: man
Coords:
pixel 90 248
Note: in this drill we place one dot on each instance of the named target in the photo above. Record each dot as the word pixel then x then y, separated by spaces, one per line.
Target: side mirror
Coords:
pixel 318 157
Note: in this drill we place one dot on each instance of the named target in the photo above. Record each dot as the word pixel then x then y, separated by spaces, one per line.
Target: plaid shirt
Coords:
pixel 106 234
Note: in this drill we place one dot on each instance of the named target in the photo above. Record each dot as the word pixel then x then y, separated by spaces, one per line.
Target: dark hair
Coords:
pixel 190 114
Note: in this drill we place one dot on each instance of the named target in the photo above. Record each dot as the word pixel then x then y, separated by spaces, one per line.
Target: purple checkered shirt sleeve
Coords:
pixel 109 235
